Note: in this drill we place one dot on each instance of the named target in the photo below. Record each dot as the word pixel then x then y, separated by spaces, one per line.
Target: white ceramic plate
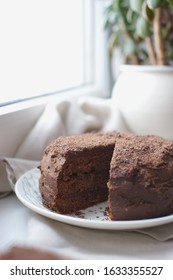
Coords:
pixel 27 190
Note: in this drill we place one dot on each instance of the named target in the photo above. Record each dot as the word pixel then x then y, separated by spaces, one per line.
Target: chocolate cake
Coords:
pixel 134 173
pixel 75 171
pixel 141 178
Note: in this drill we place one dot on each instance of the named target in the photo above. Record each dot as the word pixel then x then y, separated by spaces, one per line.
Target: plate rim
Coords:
pixel 86 223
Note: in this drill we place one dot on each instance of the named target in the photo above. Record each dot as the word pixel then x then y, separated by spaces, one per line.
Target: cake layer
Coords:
pixel 86 182
pixel 77 201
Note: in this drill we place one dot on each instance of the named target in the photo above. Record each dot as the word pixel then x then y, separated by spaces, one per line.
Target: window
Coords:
pixel 52 49
pixel 49 46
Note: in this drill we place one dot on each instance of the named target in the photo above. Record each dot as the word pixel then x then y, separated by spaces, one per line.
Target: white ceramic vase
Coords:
pixel 144 96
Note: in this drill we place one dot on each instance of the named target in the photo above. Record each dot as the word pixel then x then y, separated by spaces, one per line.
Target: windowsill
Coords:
pixel 41 101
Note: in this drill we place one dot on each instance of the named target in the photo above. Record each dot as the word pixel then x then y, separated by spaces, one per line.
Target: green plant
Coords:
pixel 143 29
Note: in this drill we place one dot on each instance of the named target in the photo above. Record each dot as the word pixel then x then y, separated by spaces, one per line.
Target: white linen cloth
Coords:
pixel 73 116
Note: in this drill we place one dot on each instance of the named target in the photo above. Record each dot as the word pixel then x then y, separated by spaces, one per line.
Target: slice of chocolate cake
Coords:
pixel 141 178
pixel 75 171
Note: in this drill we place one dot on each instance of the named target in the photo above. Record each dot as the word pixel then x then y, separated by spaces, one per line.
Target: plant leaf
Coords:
pixel 113 42
pixel 136 5
pixel 142 27
pixel 129 47
pixel 153 4
pixel 149 13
